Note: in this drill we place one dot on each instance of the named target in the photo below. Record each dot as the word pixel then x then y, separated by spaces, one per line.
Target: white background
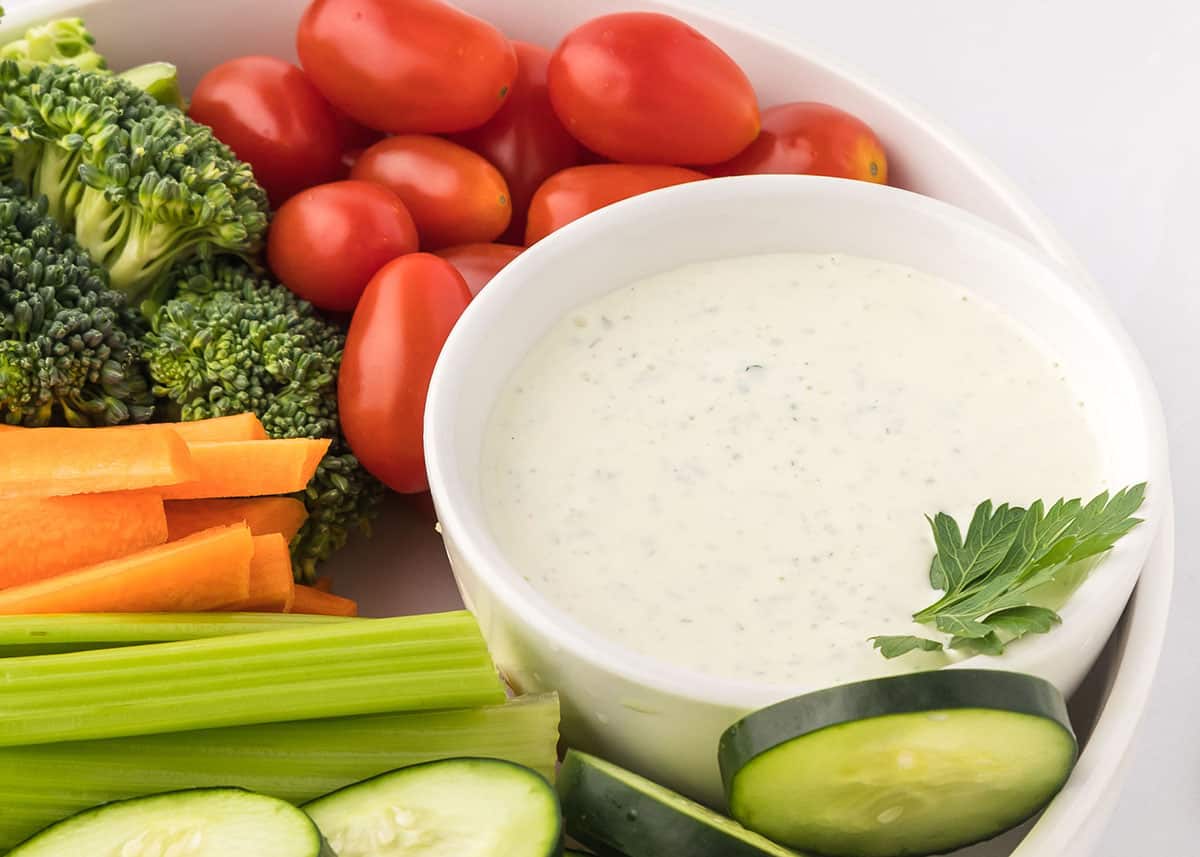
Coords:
pixel 1093 108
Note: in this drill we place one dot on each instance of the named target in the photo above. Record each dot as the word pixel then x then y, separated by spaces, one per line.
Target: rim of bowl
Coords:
pixel 480 549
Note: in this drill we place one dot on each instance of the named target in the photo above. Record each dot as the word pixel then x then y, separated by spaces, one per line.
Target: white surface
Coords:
pixel 1091 108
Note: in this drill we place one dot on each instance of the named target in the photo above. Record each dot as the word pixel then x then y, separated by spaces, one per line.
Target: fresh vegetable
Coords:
pixel 307 599
pixel 409 663
pixel 614 811
pixel 525 140
pixel 994 578
pixel 69 347
pixel 271 115
pixel 397 332
pixel 271 587
pixel 328 241
pixel 217 822
pixel 645 88
pixel 159 80
pixel 245 426
pixel 283 515
pixel 406 66
pixel 45 536
pixel 487 807
pixel 577 191
pixel 142 186
pixel 354 136
pixel 232 342
pixel 63 41
pixel 811 138
pixel 77 632
pixel 478 263
pixel 454 195
pixel 200 572
pixel 249 468
pixel 907 765
pixel 295 761
pixel 54 462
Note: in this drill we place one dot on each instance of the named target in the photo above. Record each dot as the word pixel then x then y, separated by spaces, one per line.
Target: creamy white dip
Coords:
pixel 727 466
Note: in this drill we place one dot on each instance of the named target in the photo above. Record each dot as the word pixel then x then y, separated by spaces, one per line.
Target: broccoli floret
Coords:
pixel 231 341
pixel 65 41
pixel 143 187
pixel 70 349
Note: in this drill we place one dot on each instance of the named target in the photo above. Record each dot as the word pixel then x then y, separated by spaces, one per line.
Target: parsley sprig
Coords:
pixel 988 578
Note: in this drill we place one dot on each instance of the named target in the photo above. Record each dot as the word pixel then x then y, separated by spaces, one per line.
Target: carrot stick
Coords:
pixel 250 468
pixel 309 600
pixel 53 462
pixel 199 572
pixel 44 536
pixel 237 427
pixel 272 587
pixel 262 515
pixel 324 583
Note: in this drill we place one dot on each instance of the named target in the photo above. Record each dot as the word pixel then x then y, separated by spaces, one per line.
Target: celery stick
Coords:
pixel 77 632
pixel 409 663
pixel 294 761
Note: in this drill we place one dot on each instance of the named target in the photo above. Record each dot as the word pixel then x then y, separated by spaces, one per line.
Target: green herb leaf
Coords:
pixel 986 645
pixel 897 645
pixel 1016 622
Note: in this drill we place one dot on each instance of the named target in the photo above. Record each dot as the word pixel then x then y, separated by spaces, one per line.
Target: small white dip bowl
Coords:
pixel 662 720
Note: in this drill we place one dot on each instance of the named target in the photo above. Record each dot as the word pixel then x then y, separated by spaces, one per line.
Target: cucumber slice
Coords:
pixel 220 822
pixel 901 766
pixel 612 810
pixel 451 808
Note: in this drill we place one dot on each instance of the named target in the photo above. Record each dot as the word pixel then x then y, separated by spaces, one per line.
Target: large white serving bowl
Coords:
pixel 403 568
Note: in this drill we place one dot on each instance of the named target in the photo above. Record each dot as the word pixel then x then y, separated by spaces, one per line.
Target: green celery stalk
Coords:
pixel 77 632
pixel 408 663
pixel 294 761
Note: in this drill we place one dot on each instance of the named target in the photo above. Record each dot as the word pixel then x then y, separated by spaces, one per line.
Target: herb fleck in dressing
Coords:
pixel 727 466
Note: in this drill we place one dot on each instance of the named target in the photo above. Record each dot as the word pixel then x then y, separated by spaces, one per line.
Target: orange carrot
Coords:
pixel 310 600
pixel 199 572
pixel 7 427
pixel 261 514
pixel 237 427
pixel 44 536
pixel 250 468
pixel 272 587
pixel 54 462
pixel 324 583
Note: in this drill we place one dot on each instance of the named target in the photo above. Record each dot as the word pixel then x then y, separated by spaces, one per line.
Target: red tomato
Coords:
pixel 406 66
pixel 577 191
pixel 273 118
pixel 524 139
pixel 478 263
pixel 811 138
pixel 353 136
pixel 326 242
pixel 453 194
pixel 641 87
pixel 399 328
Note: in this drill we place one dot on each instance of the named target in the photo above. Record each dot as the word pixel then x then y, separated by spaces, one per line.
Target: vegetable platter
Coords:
pixel 231 255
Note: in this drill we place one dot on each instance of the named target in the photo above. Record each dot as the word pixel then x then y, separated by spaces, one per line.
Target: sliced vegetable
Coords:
pixel 612 810
pixel 250 468
pixel 199 572
pixel 309 599
pixel 485 807
pixel 407 663
pixel 295 761
pixel 219 822
pixel 283 515
pixel 45 536
pixel 245 426
pixel 76 632
pixel 913 764
pixel 272 587
pixel 54 462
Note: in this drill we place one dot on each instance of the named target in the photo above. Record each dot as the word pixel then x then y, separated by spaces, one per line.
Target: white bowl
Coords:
pixel 403 569
pixel 665 721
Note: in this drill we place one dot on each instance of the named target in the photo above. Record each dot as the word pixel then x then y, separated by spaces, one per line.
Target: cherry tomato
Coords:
pixel 353 136
pixel 273 118
pixel 326 242
pixel 524 139
pixel 642 87
pixel 577 191
pixel 406 66
pixel 811 138
pixel 399 328
pixel 453 194
pixel 478 263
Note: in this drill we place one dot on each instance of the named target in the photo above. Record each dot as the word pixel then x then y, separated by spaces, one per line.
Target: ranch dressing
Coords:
pixel 727 466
